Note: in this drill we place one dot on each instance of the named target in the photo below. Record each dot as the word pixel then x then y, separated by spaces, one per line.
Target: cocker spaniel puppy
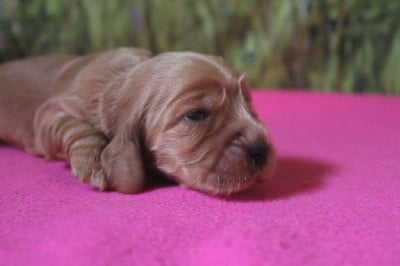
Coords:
pixel 116 115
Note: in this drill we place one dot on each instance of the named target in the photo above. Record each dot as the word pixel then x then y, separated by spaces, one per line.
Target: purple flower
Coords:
pixel 136 18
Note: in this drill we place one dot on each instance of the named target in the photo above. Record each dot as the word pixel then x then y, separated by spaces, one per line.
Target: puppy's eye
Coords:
pixel 197 115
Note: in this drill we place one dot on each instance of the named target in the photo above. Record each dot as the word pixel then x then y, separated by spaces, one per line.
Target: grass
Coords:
pixel 333 45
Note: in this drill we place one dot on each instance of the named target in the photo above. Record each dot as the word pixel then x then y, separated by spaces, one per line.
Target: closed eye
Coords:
pixel 197 115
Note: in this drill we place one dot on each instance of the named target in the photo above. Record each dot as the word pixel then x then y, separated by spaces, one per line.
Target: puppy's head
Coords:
pixel 197 122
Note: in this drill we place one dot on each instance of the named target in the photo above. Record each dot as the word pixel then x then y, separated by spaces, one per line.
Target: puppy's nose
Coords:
pixel 258 154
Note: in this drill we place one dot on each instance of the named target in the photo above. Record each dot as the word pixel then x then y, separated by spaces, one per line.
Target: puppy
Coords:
pixel 117 115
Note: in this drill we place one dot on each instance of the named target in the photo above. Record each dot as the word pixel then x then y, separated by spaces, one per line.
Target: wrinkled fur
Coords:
pixel 113 115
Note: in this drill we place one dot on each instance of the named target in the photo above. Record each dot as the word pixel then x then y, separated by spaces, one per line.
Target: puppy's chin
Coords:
pixel 231 174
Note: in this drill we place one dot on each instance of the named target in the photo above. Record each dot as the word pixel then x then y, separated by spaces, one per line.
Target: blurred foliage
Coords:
pixel 343 45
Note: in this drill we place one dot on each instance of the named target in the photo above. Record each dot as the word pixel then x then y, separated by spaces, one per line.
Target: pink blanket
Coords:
pixel 335 200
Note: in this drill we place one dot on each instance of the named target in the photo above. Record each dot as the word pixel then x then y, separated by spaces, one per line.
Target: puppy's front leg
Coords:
pixel 60 132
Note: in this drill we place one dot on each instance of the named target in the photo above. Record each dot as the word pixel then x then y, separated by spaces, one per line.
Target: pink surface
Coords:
pixel 335 200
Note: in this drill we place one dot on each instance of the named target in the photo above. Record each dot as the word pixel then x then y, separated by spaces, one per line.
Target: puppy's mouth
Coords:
pixel 238 168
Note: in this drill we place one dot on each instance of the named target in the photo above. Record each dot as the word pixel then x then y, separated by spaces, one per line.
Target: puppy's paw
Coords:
pixel 91 172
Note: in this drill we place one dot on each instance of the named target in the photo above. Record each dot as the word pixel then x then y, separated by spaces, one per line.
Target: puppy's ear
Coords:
pixel 122 162
pixel 243 81
pixel 245 87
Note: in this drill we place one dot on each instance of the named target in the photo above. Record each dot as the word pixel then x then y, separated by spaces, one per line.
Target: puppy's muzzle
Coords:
pixel 257 154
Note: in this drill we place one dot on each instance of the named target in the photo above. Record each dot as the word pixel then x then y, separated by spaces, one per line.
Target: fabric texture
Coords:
pixel 335 200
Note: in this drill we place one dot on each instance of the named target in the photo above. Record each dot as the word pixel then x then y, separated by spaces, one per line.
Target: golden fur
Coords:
pixel 117 114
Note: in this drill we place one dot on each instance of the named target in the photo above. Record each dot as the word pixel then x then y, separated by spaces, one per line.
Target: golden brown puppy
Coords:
pixel 117 114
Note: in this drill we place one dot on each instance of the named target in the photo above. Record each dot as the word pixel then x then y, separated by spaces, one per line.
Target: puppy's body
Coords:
pixel 24 86
pixel 187 114
pixel 27 84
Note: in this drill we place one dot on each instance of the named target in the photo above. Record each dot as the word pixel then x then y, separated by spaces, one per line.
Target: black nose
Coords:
pixel 258 154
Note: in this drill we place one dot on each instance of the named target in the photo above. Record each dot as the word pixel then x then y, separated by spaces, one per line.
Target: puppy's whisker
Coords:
pixel 201 157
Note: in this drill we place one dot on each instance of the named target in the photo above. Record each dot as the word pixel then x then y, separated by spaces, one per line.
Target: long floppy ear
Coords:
pixel 122 162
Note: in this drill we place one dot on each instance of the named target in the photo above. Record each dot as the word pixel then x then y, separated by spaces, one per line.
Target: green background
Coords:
pixel 332 45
